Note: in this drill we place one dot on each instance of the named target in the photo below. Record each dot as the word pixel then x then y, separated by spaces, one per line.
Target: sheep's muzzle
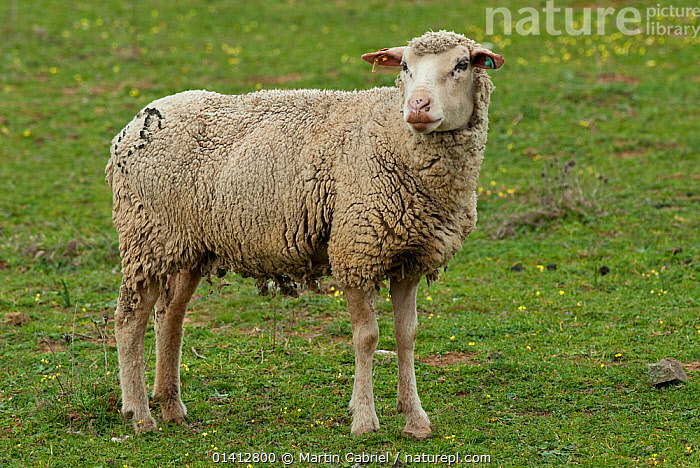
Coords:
pixel 419 116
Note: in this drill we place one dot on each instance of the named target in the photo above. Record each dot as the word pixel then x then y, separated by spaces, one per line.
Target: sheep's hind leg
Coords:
pixel 403 297
pixel 169 316
pixel 130 321
pixel 365 335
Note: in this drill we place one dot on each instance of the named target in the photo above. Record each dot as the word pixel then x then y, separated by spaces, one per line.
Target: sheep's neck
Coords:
pixel 445 164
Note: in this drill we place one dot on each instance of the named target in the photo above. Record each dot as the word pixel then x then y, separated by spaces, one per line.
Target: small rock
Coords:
pixel 665 372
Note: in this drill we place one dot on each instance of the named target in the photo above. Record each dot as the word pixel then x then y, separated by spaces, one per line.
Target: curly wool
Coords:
pixel 437 42
pixel 293 186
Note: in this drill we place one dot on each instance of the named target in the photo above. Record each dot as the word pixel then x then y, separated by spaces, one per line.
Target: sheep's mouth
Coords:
pixel 423 125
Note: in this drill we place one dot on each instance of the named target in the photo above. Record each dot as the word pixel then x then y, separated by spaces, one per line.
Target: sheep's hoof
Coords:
pixel 364 421
pixel 144 425
pixel 172 418
pixel 172 410
pixel 362 430
pixel 142 420
pixel 418 430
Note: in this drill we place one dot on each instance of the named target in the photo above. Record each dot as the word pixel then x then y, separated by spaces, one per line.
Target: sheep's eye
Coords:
pixel 404 67
pixel 462 65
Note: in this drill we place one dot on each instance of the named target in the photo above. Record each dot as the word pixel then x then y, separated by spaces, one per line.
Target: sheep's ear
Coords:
pixel 484 58
pixel 385 57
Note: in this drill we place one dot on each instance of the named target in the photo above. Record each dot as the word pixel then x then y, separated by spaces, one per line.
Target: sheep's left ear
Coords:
pixel 484 58
pixel 385 57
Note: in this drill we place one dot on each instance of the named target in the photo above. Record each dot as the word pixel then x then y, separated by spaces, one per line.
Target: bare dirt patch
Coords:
pixel 616 78
pixel 630 154
pixel 198 320
pixel 677 175
pixel 450 358
pixel 692 366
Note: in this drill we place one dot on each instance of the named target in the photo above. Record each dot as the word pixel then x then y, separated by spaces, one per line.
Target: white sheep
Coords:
pixel 292 186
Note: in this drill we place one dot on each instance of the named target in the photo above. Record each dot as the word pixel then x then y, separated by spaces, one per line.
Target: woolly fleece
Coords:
pixel 295 185
pixel 437 42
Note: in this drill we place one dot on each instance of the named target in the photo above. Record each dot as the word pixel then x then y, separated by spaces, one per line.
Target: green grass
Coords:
pixel 543 367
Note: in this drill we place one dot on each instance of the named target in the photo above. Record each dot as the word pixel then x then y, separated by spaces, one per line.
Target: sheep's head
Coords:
pixel 437 76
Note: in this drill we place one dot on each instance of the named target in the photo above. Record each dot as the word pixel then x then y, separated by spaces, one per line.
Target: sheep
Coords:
pixel 294 185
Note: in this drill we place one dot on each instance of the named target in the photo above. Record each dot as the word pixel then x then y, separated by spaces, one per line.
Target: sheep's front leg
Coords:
pixel 403 298
pixel 365 335
pixel 130 321
pixel 169 316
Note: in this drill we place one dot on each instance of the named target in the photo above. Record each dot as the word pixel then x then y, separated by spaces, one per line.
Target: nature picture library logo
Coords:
pixel 658 20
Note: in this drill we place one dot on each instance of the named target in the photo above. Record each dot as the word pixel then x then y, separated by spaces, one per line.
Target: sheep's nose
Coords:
pixel 419 104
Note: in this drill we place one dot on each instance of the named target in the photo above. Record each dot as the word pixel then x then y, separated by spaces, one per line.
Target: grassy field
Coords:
pixel 533 347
